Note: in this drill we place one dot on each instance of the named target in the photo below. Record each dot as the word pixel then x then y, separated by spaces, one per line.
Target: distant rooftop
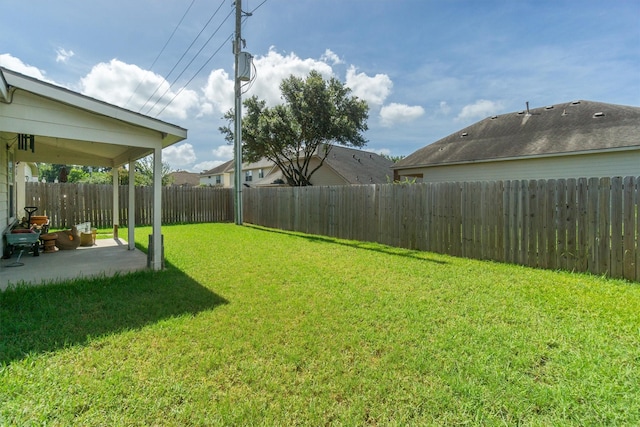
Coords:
pixel 571 127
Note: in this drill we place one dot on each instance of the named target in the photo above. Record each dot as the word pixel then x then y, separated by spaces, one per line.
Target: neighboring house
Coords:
pixel 571 140
pixel 41 122
pixel 343 166
pixel 184 179
pixel 27 171
pixel 218 176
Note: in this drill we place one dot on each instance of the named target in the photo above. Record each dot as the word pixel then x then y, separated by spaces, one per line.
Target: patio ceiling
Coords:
pixel 70 128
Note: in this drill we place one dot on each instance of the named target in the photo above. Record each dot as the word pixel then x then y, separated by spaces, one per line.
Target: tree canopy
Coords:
pixel 315 114
pixel 87 175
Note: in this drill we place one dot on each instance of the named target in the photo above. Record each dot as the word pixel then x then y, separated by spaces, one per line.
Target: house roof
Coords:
pixel 220 169
pixel 185 178
pixel 570 128
pixel 354 166
pixel 76 129
pixel 359 167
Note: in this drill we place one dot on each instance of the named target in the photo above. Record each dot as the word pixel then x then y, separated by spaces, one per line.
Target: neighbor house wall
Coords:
pixel 621 163
pixel 325 175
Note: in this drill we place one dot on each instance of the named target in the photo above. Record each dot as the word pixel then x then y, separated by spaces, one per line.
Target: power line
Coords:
pixel 161 50
pixel 249 84
pixel 190 62
pixel 183 55
pixel 257 7
pixel 194 76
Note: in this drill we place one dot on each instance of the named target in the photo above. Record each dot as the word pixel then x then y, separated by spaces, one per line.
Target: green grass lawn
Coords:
pixel 251 326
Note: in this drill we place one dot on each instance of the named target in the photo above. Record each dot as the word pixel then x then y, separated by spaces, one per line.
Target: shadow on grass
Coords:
pixel 370 246
pixel 50 317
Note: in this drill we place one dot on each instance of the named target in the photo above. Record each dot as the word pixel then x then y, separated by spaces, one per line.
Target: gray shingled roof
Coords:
pixel 185 178
pixel 220 169
pixel 577 126
pixel 359 167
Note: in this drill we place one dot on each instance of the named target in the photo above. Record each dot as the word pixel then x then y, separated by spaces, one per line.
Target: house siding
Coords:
pixel 325 175
pixel 622 163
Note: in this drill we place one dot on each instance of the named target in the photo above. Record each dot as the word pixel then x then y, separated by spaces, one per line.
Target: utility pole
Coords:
pixel 237 142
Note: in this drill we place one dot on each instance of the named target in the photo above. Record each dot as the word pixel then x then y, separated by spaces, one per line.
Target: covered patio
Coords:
pixel 107 258
pixel 41 122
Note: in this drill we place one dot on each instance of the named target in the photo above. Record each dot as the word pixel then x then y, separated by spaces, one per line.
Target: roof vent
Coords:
pixel 575 103
pixel 494 117
pixel 464 134
pixel 549 107
pixel 598 114
pixel 521 112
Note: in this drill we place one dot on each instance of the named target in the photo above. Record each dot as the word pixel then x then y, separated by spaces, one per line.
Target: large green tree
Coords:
pixel 315 114
pixel 87 175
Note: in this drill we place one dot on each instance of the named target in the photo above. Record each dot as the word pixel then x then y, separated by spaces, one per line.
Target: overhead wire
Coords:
pixel 189 64
pixel 195 74
pixel 249 84
pixel 182 57
pixel 161 51
pixel 257 7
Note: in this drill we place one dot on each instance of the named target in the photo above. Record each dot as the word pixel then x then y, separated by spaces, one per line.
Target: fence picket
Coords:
pixel 583 225
pixel 629 228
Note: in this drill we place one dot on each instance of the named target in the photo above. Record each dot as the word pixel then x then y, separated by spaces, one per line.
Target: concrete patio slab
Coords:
pixel 107 258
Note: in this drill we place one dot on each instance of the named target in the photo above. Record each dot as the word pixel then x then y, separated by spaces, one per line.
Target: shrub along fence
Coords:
pixel 587 225
pixel 67 204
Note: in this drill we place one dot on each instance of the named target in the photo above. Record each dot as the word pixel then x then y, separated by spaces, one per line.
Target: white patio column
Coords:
pixel 131 222
pixel 156 262
pixel 116 207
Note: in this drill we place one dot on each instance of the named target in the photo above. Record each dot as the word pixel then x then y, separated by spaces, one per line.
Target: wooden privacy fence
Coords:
pixel 587 225
pixel 68 204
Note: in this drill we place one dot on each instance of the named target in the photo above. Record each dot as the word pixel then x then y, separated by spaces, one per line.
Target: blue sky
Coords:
pixel 427 68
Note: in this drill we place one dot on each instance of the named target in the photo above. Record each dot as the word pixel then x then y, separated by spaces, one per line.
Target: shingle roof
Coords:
pixel 185 178
pixel 219 169
pixel 359 167
pixel 577 126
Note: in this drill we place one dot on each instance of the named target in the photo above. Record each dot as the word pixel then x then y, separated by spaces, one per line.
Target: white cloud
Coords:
pixel 444 108
pixel 224 152
pixel 399 113
pixel 179 156
pixel 116 81
pixel 274 67
pixel 63 55
pixel 331 57
pixel 374 90
pixel 269 72
pixel 218 93
pixel 15 64
pixel 480 109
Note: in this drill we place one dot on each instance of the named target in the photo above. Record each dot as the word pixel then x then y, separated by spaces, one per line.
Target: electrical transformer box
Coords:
pixel 244 66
